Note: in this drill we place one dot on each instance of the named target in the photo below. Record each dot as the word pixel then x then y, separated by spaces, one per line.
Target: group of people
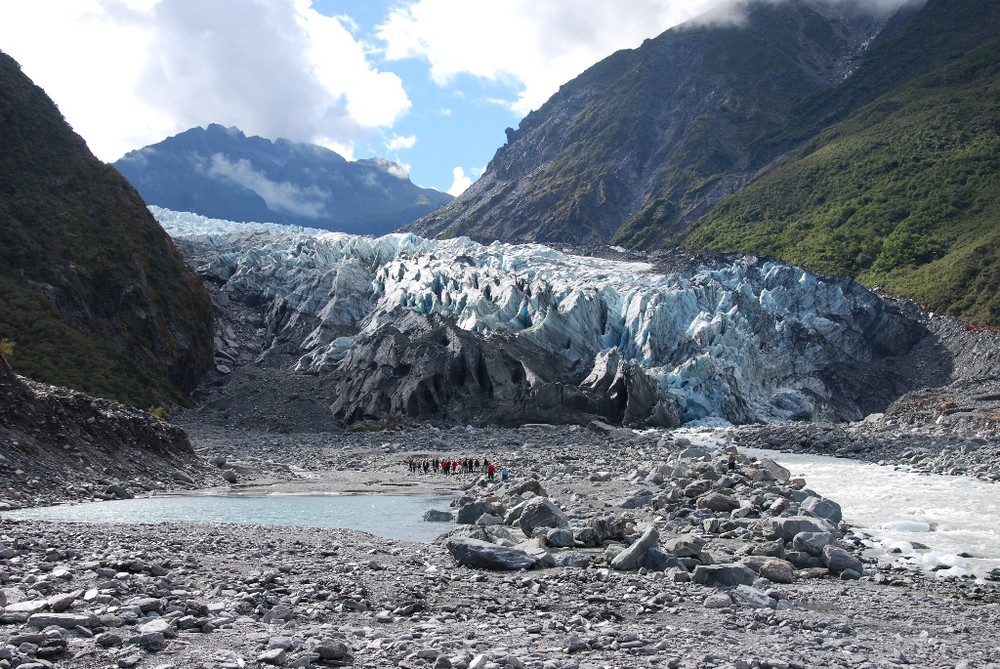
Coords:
pixel 463 466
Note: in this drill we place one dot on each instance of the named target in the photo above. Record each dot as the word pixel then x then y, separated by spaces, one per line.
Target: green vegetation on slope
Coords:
pixel 903 194
pixel 94 295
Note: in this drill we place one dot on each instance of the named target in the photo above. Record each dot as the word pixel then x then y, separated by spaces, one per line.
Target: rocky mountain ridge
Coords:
pixel 222 173
pixel 663 131
pixel 94 294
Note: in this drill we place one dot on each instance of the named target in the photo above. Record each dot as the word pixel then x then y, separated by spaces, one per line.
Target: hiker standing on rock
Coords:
pixel 491 470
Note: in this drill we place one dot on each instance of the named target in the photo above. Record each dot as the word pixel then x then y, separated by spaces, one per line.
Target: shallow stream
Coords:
pixel 389 516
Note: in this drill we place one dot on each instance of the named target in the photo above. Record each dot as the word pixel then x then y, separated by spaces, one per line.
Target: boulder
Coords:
pixel 484 555
pixel 609 528
pixel 637 500
pixel 777 571
pixel 470 513
pixel 533 486
pixel 572 559
pixel 694 453
pixel 777 472
pixel 588 537
pixel 747 597
pixel 787 527
pixel 161 626
pixel 770 569
pixel 803 560
pixel 840 560
pixel 697 488
pixel 560 537
pixel 822 507
pixel 812 543
pixel 723 575
pixel 655 559
pixel 333 651
pixel 64 620
pixel 437 516
pixel 687 545
pixel 629 558
pixel 117 491
pixel 718 502
pixel 541 512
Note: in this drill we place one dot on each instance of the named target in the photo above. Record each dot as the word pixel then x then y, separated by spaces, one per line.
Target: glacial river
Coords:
pixel 952 516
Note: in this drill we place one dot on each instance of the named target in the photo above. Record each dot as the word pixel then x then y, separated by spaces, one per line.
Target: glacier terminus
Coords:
pixel 399 325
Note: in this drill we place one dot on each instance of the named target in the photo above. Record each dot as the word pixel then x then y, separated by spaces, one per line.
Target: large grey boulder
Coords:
pixel 723 575
pixel 64 620
pixel 560 537
pixel 787 527
pixel 777 472
pixel 533 486
pixel 637 500
pixel 838 560
pixel 812 543
pixel 655 559
pixel 718 502
pixel 629 558
pixel 748 597
pixel 686 545
pixel 822 507
pixel 484 555
pixel 541 512
pixel 470 513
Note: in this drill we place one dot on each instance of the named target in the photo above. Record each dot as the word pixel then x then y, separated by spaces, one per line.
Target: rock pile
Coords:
pixel 766 527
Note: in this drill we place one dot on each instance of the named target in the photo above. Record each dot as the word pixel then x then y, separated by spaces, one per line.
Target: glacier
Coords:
pixel 454 329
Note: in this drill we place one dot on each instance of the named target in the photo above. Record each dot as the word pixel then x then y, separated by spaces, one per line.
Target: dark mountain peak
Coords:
pixel 223 173
pixel 661 132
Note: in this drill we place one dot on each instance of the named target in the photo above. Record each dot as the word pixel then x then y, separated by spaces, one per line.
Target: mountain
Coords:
pixel 643 143
pixel 357 329
pixel 904 192
pixel 220 172
pixel 850 143
pixel 95 296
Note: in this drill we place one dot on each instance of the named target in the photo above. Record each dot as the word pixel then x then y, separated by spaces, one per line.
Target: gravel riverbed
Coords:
pixel 212 596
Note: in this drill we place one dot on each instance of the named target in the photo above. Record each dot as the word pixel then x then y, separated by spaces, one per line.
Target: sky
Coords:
pixel 429 84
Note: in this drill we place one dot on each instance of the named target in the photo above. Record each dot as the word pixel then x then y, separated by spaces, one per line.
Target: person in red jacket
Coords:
pixel 491 470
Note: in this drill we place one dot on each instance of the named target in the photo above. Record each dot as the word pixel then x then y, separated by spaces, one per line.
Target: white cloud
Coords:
pixel 279 195
pixel 535 46
pixel 398 143
pixel 460 182
pixel 141 70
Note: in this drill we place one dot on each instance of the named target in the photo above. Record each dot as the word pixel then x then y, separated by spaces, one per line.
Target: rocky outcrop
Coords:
pixel 58 443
